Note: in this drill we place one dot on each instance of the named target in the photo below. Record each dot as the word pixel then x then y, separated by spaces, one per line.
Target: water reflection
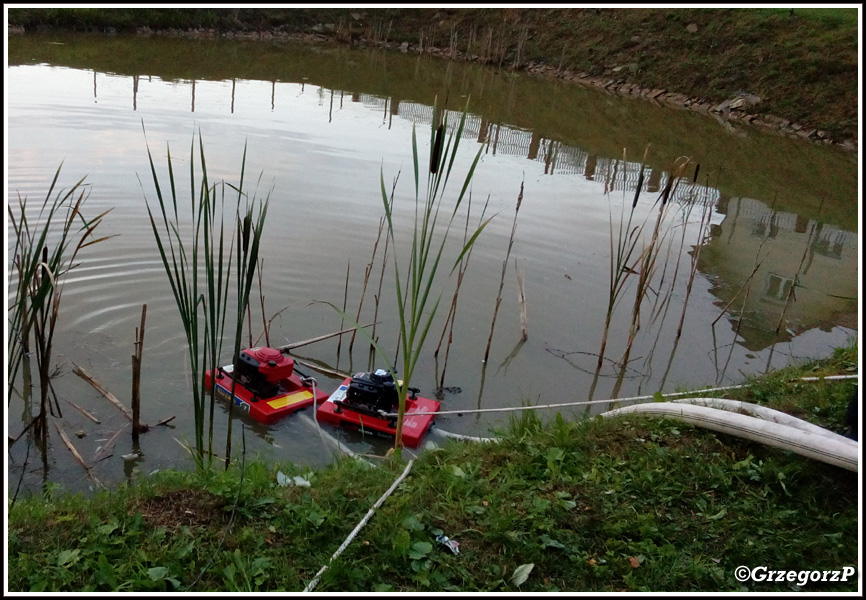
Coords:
pixel 751 244
pixel 777 273
pixel 765 263
pixel 498 138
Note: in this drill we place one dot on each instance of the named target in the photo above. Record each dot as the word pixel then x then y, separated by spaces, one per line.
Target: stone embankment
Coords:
pixel 729 113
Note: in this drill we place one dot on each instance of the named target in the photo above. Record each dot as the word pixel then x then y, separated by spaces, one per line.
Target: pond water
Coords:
pixel 322 127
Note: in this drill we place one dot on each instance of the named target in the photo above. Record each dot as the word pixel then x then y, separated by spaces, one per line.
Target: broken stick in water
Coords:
pixel 77 455
pixel 83 412
pixel 107 449
pixel 99 388
pixel 294 345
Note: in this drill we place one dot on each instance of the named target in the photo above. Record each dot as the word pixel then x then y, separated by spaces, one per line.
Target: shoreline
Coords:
pixel 728 113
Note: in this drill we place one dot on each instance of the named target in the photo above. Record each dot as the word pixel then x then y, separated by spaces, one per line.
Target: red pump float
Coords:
pixel 365 400
pixel 267 386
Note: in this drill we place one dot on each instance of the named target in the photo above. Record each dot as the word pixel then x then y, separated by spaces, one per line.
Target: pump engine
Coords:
pixel 372 393
pixel 261 369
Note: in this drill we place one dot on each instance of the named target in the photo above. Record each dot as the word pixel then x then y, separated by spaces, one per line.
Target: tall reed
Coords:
pixel 44 252
pixel 648 259
pixel 452 312
pixel 199 272
pixel 250 225
pixel 417 302
pixel 635 255
pixel 504 268
pixel 621 255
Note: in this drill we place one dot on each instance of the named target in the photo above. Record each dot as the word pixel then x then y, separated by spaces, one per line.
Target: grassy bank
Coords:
pixel 801 64
pixel 624 504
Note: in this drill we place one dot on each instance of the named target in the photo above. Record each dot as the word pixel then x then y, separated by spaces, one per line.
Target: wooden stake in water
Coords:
pixel 136 377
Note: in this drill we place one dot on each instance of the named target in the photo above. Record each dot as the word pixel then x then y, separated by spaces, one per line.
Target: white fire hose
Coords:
pixel 763 425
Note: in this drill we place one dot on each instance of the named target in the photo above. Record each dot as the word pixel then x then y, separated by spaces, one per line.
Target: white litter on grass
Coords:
pixel 285 481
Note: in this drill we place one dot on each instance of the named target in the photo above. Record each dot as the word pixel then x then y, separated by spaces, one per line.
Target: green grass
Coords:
pixel 839 16
pixel 601 505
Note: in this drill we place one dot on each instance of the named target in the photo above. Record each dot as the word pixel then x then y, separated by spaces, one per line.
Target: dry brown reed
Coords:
pixel 502 278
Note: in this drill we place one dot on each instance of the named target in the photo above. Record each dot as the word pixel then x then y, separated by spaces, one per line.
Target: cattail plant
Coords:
pixel 202 297
pixel 417 306
pixel 250 224
pixel 44 252
pixel 417 301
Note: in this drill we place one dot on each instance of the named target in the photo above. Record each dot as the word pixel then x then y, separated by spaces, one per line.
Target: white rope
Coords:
pixel 586 402
pixel 358 527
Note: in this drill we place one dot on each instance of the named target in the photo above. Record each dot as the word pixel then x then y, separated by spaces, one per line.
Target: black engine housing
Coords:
pixel 371 393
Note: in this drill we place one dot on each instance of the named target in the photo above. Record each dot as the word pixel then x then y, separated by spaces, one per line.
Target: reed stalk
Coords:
pixel 136 376
pixel 504 268
pixel 345 300
pixel 418 307
pixel 795 283
pixel 44 252
pixel 417 301
pixel 695 257
pixel 621 256
pixel 250 225
pixel 521 302
pixel 378 294
pixel 201 287
pixel 452 312
pixel 367 270
pixel 266 330
pixel 648 258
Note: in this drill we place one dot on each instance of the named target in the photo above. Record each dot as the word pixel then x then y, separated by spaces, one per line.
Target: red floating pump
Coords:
pixel 264 367
pixel 366 401
pixel 266 386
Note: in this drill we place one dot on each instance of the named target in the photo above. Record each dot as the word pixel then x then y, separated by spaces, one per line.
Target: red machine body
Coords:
pixel 364 413
pixel 267 387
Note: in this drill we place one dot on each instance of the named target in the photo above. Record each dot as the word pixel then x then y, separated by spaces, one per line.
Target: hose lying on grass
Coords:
pixel 767 427
pixel 741 419
pixel 765 413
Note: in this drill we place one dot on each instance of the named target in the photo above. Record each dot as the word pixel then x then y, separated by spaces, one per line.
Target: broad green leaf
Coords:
pixel 106 529
pixel 68 557
pixel 521 574
pixel 718 515
pixel 420 550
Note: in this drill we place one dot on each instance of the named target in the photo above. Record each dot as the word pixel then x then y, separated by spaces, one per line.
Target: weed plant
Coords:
pixel 202 304
pixel 44 252
pixel 417 300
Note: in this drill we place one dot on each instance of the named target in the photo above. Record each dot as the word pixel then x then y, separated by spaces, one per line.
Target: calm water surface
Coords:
pixel 321 125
